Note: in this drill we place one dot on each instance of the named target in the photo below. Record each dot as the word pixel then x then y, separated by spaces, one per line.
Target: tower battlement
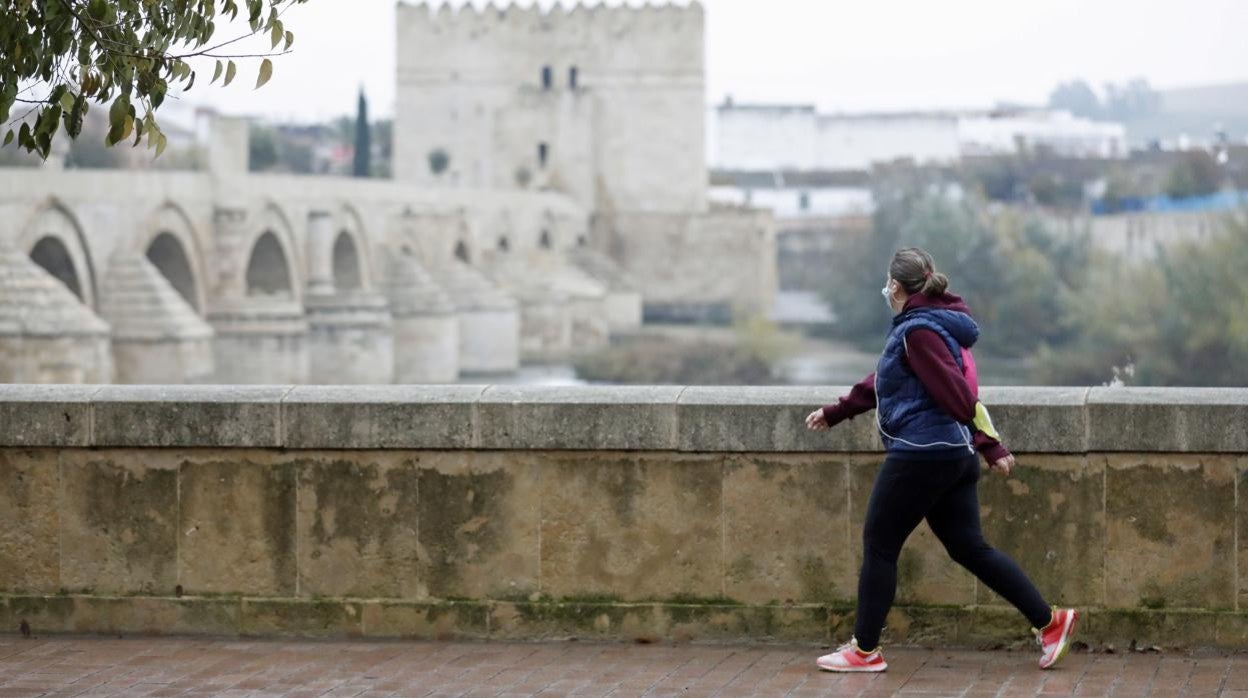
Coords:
pixel 660 39
pixel 615 17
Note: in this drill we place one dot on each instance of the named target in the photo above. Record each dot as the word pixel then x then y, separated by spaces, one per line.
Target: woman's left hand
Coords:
pixel 1003 466
pixel 815 421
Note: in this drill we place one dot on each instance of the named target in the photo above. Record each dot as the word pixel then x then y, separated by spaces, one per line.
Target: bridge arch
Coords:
pixel 351 252
pixel 172 244
pixel 272 258
pixel 54 239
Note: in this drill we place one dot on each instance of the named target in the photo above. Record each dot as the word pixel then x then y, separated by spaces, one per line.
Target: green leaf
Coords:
pixel 8 94
pixel 266 72
pixel 67 101
pixel 276 35
pixel 216 73
pixel 190 84
pixel 157 93
pixel 229 74
pixel 117 115
pixel 43 141
pixel 121 106
pixel 49 120
pixel 75 116
pixel 8 138
pixel 290 39
pixel 57 92
pixel 161 142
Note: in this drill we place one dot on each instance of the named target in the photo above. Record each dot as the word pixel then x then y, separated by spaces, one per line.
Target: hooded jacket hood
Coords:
pixel 947 310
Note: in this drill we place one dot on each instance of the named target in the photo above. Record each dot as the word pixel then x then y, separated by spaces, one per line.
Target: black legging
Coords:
pixel 943 492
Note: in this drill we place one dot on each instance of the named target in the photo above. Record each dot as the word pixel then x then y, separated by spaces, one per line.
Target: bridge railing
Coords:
pixel 599 512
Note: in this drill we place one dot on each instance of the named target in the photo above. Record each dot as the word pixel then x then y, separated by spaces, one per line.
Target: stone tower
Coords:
pixel 602 103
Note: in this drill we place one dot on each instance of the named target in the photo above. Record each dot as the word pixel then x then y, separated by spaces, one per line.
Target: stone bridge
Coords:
pixel 634 513
pixel 224 276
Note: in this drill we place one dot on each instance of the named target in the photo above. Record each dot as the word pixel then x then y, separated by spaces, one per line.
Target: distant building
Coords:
pixel 1057 133
pixel 793 195
pixel 796 137
pixel 755 137
pixel 1136 229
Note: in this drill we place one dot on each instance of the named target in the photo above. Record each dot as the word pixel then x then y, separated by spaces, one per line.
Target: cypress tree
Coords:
pixel 363 140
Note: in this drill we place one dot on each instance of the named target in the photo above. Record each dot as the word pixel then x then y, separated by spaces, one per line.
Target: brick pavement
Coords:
pixel 77 666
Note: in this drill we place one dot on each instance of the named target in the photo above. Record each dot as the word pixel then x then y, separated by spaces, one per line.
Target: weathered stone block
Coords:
pixel 1199 420
pixel 357 517
pixel 1048 515
pixel 766 420
pixel 582 620
pixel 1232 630
pixel 1145 628
pixel 30 539
pixel 1039 420
pixel 188 415
pixel 644 527
pixel 1171 531
pixel 425 621
pixel 1241 523
pixel 44 614
pixel 925 573
pixel 786 529
pixel 155 616
pixel 237 524
pixel 919 625
pixel 291 618
pixel 350 417
pixel 479 519
pixel 46 415
pixel 118 522
pixel 995 627
pixel 608 418
pixel 759 623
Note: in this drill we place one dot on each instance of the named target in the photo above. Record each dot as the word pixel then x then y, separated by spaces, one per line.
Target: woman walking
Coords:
pixel 925 394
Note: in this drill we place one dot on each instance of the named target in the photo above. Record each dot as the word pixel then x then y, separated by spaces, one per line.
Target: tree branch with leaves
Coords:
pixel 59 57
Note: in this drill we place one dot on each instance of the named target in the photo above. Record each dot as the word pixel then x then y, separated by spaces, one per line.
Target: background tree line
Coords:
pixel 1067 313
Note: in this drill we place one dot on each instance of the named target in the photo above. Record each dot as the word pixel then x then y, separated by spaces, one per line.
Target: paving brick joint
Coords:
pixel 103 666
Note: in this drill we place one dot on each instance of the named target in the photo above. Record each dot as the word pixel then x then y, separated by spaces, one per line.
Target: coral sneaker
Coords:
pixel 848 659
pixel 1055 639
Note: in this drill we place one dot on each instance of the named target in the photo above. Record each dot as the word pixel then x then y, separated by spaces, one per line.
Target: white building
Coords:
pixel 1058 132
pixel 796 137
pixel 795 194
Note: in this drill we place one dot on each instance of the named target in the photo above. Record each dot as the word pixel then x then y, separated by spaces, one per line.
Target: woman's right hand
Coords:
pixel 815 421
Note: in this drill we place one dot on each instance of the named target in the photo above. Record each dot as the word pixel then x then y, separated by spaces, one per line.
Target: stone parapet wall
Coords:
pixel 628 513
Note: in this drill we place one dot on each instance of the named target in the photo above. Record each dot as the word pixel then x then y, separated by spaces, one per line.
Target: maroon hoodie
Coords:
pixel 930 359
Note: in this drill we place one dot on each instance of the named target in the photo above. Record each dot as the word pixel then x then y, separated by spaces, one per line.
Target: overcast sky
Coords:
pixel 843 55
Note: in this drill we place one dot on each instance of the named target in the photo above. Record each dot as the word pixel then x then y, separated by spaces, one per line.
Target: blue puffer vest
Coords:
pixel 911 424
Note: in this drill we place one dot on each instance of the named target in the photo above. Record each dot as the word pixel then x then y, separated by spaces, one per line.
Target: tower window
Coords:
pixel 572 75
pixel 803 201
pixel 548 77
pixel 543 152
pixel 504 245
pixel 545 242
